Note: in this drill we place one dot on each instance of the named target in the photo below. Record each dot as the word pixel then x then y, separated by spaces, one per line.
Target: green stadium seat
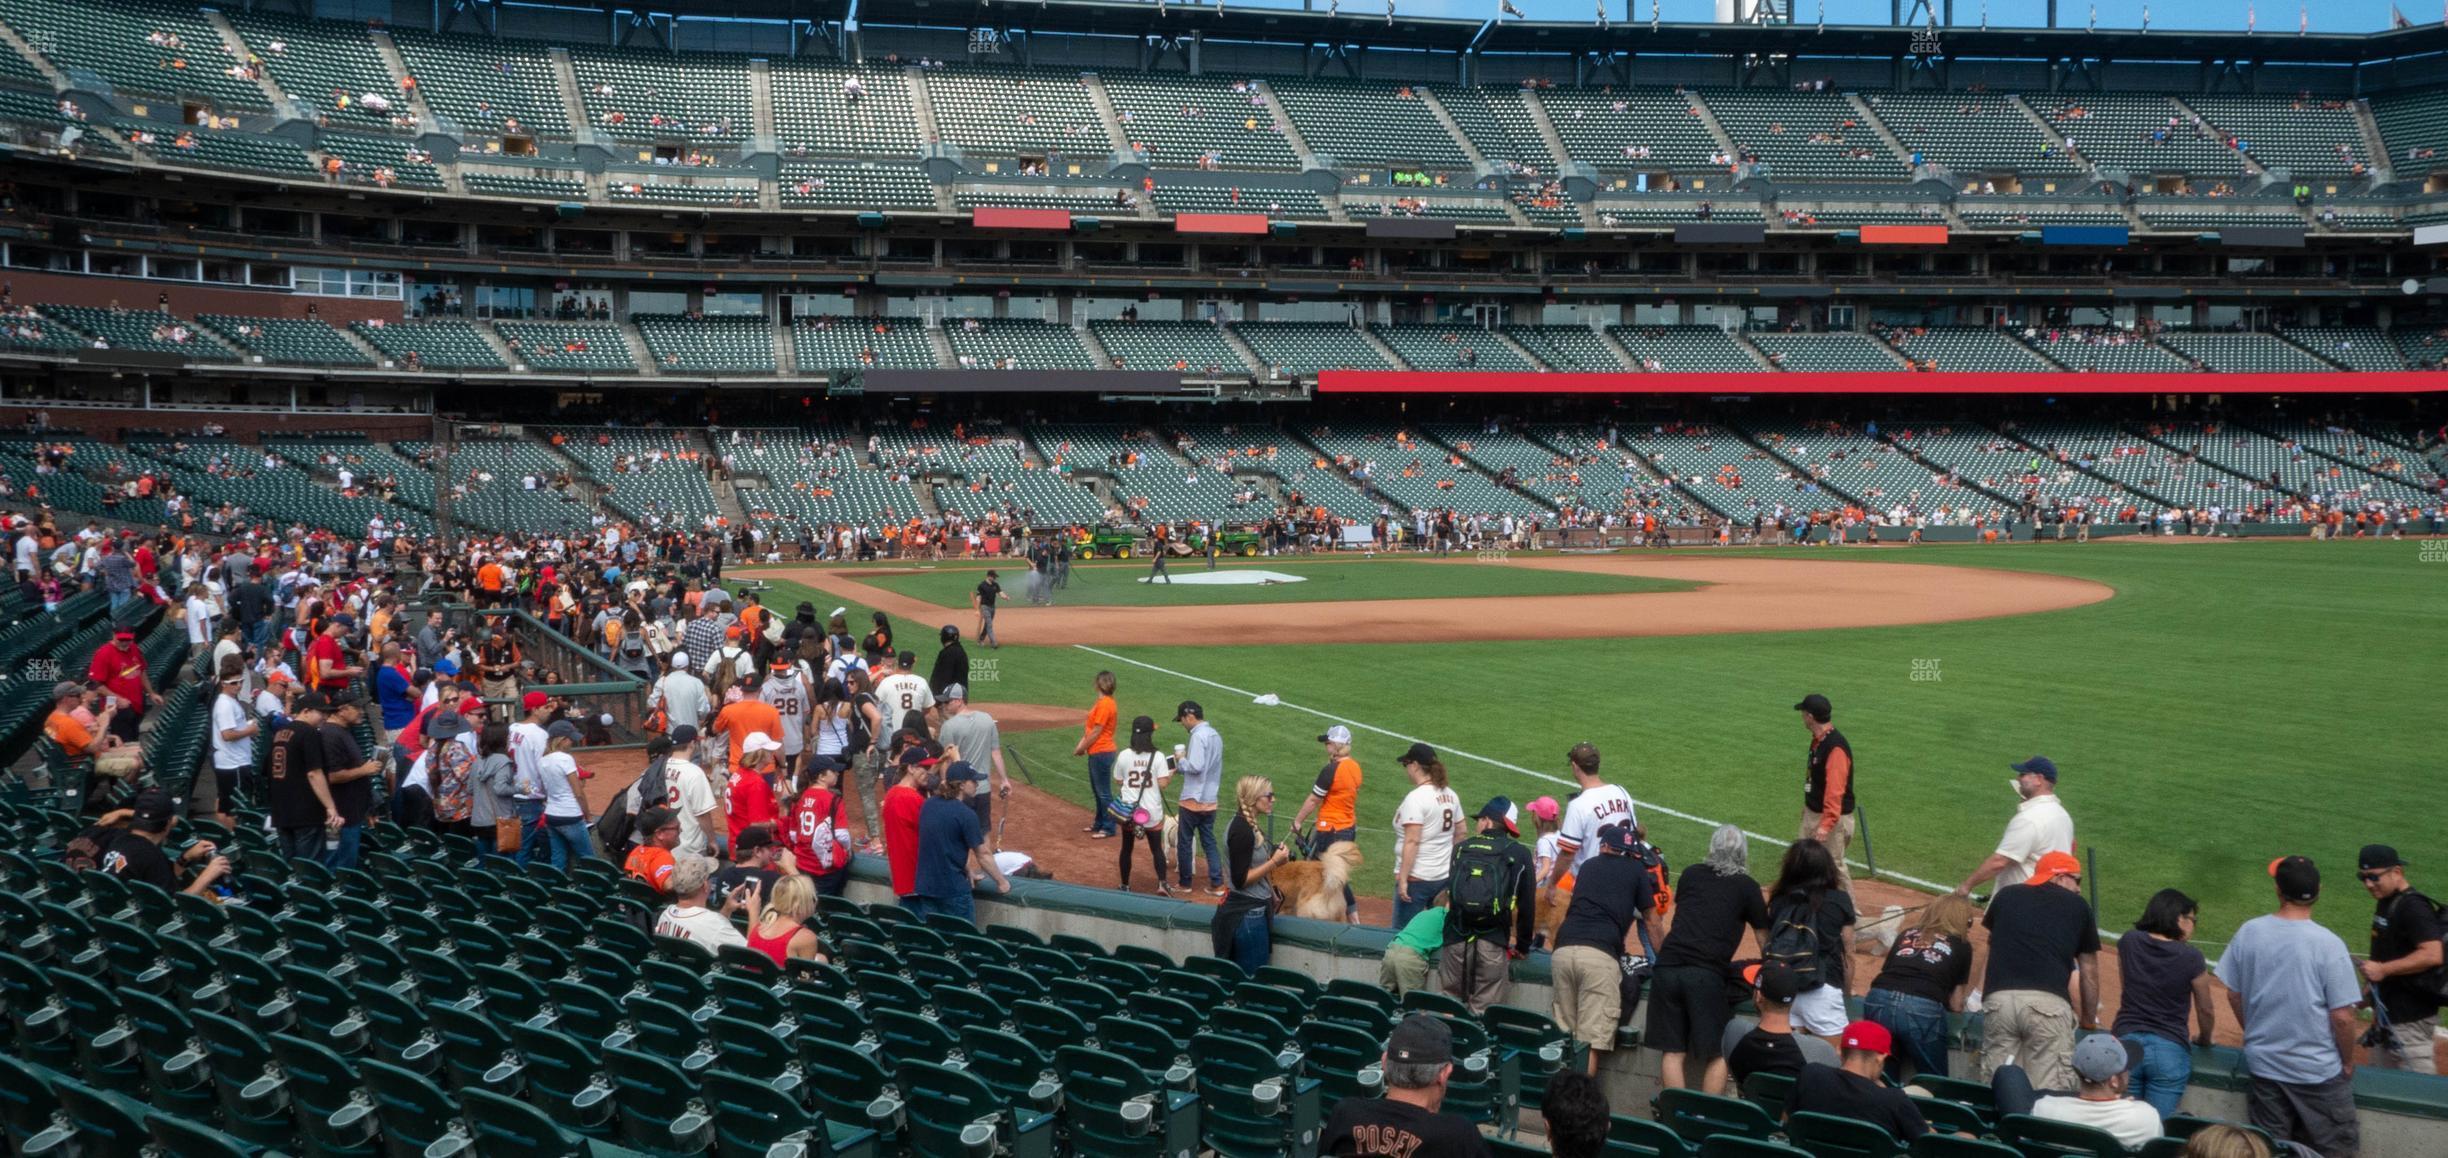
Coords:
pixel 1346 1060
pixel 322 1088
pixel 2042 1138
pixel 1828 1136
pixel 183 1136
pixel 1020 1074
pixel 849 1086
pixel 1937 1145
pixel 494 1124
pixel 1695 1116
pixel 1250 1101
pixel 1112 1108
pixel 1163 1058
pixel 1739 1146
pixel 253 1105
pixel 954 1112
pixel 1945 1114
pixel 1642 1138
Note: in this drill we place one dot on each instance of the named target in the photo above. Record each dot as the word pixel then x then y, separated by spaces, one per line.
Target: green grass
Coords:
pixel 2235 702
pixel 1118 584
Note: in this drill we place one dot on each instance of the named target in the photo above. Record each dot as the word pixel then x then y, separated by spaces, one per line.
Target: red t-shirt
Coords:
pixel 328 656
pixel 123 672
pixel 817 813
pixel 900 816
pixel 752 802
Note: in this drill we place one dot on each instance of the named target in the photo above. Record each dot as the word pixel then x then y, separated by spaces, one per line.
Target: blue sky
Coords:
pixel 2274 17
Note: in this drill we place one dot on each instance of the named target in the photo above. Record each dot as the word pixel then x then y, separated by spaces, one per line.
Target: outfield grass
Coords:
pixel 1322 580
pixel 2235 702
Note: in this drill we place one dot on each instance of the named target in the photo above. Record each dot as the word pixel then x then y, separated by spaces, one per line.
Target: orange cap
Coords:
pixel 2054 865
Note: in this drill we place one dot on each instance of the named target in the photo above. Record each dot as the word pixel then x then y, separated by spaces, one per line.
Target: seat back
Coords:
pixel 1642 1138
pixel 1768 1091
pixel 1828 1136
pixel 2043 1138
pixel 1696 1116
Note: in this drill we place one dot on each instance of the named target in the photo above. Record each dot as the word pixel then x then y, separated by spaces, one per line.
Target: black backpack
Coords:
pixel 859 738
pixel 2432 983
pixel 1793 942
pixel 618 826
pixel 1486 884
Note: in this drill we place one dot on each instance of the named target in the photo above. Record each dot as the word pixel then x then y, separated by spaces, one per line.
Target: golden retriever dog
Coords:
pixel 1551 905
pixel 1314 888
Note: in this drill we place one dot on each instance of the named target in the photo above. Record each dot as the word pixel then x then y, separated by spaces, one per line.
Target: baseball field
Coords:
pixel 2213 704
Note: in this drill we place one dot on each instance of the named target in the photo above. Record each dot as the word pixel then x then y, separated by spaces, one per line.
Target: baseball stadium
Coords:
pixel 898 579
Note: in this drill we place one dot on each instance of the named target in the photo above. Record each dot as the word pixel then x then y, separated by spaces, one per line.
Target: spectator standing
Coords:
pixel 1140 773
pixel 350 773
pixel 1406 962
pixel 682 696
pixel 1715 901
pixel 951 668
pixel 2405 958
pixel 816 832
pixel 2040 826
pixel 1851 1088
pixel 1827 786
pixel 119 667
pixel 2160 976
pixel 750 798
pixel 1097 744
pixel 1242 930
pixel 900 810
pixel 2040 933
pixel 979 740
pixel 906 698
pixel 1770 1044
pixel 492 796
pixel 528 740
pixel 233 739
pixel 951 847
pixel 2293 990
pixel 1497 893
pixel 1596 807
pixel 1616 896
pixel 1202 776
pixel 2100 1102
pixel 1925 977
pixel 1810 922
pixel 565 824
pixel 1424 833
pixel 1335 799
pixel 1418 1062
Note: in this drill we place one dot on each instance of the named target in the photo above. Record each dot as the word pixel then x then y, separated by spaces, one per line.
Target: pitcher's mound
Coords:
pixel 1232 578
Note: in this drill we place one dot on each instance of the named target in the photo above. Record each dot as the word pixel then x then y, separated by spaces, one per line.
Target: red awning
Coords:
pixel 1252 224
pixel 1054 219
pixel 1903 235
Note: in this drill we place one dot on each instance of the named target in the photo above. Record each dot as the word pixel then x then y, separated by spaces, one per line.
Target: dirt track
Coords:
pixel 1740 595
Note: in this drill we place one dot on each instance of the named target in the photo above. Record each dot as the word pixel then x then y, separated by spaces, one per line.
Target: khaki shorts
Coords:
pixel 1588 994
pixel 119 763
pixel 1402 970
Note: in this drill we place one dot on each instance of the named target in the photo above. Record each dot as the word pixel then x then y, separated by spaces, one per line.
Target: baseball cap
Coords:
pixel 955 692
pixel 124 633
pixel 759 742
pixel 1616 838
pixel 963 771
pixel 1545 808
pixel 311 701
pixel 1776 983
pixel 2053 865
pixel 2099 1057
pixel 731 632
pixel 917 758
pixel 446 725
pixel 533 700
pixel 1501 810
pixel 2040 766
pixel 152 806
pixel 1189 708
pixel 680 660
pixel 563 730
pixel 752 838
pixel 2298 878
pixel 1418 753
pixel 684 734
pixel 66 688
pixel 1874 1038
pixel 1819 708
pixel 1420 1039
pixel 2375 857
pixel 278 678
pixel 1337 734
pixel 446 667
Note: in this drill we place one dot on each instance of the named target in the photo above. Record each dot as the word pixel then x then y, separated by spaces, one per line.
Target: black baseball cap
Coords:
pixel 1420 1039
pixel 752 838
pixel 1189 708
pixel 2298 878
pixel 1776 982
pixel 1500 809
pixel 1818 707
pixel 2375 857
pixel 1418 753
pixel 684 734
pixel 152 806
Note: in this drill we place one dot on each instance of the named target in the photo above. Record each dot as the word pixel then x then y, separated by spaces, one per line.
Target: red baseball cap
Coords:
pixel 1869 1036
pixel 533 700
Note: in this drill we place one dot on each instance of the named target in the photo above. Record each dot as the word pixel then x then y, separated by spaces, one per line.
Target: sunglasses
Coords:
pixel 1267 796
pixel 2369 878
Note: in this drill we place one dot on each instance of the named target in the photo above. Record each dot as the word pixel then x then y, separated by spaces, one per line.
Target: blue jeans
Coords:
pixel 1202 826
pixel 1254 943
pixel 1418 899
pixel 1919 1025
pixel 962 906
pixel 1100 786
pixel 344 856
pixel 531 836
pixel 567 836
pixel 2165 1070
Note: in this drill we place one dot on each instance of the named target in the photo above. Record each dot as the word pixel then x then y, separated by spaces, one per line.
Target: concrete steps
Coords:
pixel 2050 131
pixel 238 50
pixel 1257 364
pixel 1545 126
pixel 565 78
pixel 1436 108
pixel 1291 132
pixel 50 72
pixel 1107 115
pixel 1383 350
pixel 761 108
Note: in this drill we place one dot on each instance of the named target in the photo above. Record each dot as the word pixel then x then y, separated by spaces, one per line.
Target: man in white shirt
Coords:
pixel 201 611
pixel 690 920
pixel 786 690
pixel 2100 1064
pixel 528 742
pixel 2040 826
pixel 1599 806
pixel 901 692
pixel 681 694
pixel 233 741
pixel 686 791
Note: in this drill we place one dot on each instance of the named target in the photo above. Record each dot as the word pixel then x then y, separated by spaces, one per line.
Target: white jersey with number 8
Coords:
pixel 1438 812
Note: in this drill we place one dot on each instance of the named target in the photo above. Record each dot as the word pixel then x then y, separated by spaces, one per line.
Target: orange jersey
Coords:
pixel 737 720
pixel 1100 725
pixel 1338 790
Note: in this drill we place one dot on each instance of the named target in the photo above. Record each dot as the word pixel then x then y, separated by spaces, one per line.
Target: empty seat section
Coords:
pixel 2144 467
pixel 2140 133
pixel 2107 348
pixel 698 97
pixel 222 149
pixel 855 186
pixel 1180 122
pixel 1396 203
pixel 1499 124
pixel 523 185
pixel 148 331
pixel 1418 474
pixel 1975 456
pixel 567 347
pixel 817 110
pixel 1566 347
pixel 1965 348
pixel 1017 344
pixel 327 67
pixel 714 345
pixel 486 86
pixel 1187 347
pixel 299 341
pixel 1367 124
pixel 1633 128
pixel 1450 347
pixel 1685 349
pixel 1090 202
pixel 1800 135
pixel 2415 126
pixel 846 343
pixel 1292 204
pixel 1970 133
pixel 1727 474
pixel 138 46
pixel 2308 136
pixel 1843 350
pixel 438 345
pixel 2354 347
pixel 1308 347
pixel 717 194
pixel 2237 352
pixel 1147 479
pixel 998 114
pixel 2013 214
pixel 654 476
